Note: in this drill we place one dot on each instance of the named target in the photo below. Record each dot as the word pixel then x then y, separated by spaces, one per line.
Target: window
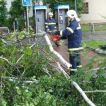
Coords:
pixel 85 8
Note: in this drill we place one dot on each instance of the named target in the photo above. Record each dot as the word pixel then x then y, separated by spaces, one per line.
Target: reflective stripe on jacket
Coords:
pixel 74 35
pixel 50 24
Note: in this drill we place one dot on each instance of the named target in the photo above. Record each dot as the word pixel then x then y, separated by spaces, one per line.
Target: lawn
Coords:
pixel 94 43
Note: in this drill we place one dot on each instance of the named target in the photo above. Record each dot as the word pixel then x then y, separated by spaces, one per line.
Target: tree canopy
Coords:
pixel 17 11
pixel 3 13
pixel 79 3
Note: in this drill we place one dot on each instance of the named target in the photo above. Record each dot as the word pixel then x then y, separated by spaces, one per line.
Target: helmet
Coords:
pixel 50 14
pixel 72 14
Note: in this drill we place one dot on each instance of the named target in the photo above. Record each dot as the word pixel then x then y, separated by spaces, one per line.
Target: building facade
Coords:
pixel 94 11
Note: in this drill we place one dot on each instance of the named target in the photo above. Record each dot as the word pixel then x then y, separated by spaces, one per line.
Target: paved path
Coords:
pixel 84 58
pixel 87 36
pixel 94 36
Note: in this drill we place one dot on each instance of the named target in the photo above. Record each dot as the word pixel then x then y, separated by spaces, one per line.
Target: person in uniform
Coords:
pixel 73 34
pixel 50 23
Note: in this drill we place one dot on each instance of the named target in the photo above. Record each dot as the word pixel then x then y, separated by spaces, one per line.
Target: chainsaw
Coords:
pixel 55 37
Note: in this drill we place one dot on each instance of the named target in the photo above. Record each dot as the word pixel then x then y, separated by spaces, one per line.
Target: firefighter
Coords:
pixel 50 23
pixel 51 28
pixel 74 35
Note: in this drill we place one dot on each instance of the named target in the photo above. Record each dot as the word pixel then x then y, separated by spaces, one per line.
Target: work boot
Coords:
pixel 79 66
pixel 73 71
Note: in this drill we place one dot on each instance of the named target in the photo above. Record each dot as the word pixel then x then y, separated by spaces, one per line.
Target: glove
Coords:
pixel 63 37
pixel 57 33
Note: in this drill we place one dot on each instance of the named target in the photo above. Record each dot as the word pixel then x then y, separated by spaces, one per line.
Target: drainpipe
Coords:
pixel 75 5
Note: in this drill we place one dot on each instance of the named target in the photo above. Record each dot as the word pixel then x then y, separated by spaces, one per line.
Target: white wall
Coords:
pixel 97 11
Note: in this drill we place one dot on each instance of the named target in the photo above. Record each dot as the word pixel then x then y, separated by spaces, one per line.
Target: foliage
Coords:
pixel 17 11
pixel 32 63
pixel 26 82
pixel 51 91
pixel 17 36
pixel 3 13
pixel 70 2
pixel 95 43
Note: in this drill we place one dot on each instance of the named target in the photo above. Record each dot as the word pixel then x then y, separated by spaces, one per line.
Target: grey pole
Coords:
pixel 27 20
pixel 75 4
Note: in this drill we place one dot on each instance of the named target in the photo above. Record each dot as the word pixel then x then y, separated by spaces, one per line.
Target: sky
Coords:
pixel 8 4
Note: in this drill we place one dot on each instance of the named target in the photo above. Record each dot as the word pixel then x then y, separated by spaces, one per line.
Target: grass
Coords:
pixel 94 43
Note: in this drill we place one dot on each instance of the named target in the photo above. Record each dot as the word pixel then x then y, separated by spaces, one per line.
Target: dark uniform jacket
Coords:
pixel 74 35
pixel 50 25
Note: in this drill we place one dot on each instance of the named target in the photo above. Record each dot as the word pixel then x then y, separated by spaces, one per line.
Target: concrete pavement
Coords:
pixel 94 35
